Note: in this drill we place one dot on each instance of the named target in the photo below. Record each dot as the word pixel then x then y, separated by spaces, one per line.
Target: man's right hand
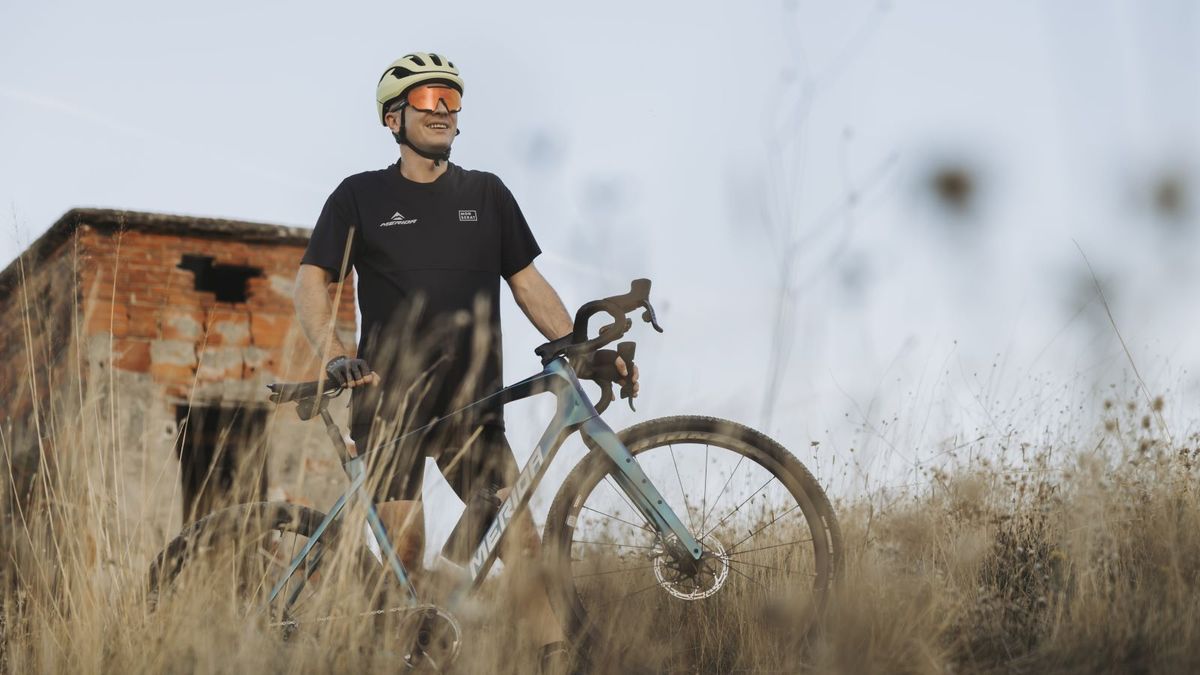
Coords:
pixel 347 372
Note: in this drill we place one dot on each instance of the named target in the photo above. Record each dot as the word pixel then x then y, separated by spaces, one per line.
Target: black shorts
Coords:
pixel 471 460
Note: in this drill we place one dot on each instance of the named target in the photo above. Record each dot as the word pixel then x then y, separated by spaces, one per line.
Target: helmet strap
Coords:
pixel 437 157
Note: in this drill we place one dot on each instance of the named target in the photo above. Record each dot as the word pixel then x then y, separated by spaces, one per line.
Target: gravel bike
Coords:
pixel 684 540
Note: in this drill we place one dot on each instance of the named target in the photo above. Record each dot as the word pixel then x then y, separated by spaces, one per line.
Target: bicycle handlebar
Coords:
pixel 576 343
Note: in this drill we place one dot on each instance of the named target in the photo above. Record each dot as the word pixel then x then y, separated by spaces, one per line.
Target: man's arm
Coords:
pixel 541 304
pixel 315 311
pixel 546 311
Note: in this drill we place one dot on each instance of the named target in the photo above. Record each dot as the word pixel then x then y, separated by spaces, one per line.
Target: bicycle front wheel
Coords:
pixel 772 550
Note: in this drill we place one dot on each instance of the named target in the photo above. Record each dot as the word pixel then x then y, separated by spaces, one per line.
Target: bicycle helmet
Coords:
pixel 406 73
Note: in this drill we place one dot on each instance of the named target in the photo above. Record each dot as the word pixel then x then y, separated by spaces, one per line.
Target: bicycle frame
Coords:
pixel 575 412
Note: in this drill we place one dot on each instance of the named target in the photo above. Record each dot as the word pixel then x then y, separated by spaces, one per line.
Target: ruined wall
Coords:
pixel 104 340
pixel 155 343
pixel 39 379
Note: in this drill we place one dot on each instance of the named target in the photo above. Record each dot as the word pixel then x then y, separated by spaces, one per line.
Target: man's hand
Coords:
pixel 605 365
pixel 347 372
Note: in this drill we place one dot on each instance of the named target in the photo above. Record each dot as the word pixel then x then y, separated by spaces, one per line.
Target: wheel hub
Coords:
pixel 687 578
pixel 432 638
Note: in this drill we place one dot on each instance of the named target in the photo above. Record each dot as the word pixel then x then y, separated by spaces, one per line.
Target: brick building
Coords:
pixel 134 350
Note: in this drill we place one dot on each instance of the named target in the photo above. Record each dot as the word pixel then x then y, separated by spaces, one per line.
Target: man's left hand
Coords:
pixel 604 365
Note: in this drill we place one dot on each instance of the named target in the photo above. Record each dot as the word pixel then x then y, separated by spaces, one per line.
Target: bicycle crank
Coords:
pixel 431 638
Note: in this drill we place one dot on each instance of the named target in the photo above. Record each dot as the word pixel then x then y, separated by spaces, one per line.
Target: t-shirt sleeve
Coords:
pixel 518 248
pixel 333 234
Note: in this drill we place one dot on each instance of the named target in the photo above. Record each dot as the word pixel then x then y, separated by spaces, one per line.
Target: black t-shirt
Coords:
pixel 429 258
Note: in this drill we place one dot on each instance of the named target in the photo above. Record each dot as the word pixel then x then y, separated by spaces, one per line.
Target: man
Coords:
pixel 430 242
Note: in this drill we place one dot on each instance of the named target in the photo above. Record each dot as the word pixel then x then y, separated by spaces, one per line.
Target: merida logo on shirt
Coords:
pixel 398 219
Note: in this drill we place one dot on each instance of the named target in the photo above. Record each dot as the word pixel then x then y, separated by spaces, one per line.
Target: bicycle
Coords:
pixel 605 549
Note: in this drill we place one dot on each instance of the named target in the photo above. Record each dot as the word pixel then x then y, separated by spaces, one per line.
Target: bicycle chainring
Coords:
pixel 432 639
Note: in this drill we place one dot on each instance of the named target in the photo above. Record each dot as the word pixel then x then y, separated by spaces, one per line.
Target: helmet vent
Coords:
pixel 416 59
pixel 450 63
pixel 437 61
pixel 399 72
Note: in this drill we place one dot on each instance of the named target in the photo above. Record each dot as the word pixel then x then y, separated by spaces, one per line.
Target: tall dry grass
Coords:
pixel 1074 559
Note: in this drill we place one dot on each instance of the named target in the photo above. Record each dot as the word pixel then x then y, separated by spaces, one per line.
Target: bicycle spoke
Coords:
pixel 768 567
pixel 773 520
pixel 730 553
pixel 739 506
pixel 623 569
pixel 704 499
pixel 609 515
pixel 691 525
pixel 609 543
pixel 722 492
pixel 625 597
pixel 753 581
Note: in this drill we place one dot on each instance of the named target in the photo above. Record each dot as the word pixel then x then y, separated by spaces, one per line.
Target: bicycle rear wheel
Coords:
pixel 772 550
pixel 248 546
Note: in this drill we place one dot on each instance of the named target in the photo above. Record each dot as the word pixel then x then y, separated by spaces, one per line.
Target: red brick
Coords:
pixel 143 322
pixel 132 355
pixel 269 330
pixel 106 317
pixel 172 373
pixel 182 298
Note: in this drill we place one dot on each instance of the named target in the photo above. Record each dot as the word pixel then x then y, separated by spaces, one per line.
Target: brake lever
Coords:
pixel 606 396
pixel 649 317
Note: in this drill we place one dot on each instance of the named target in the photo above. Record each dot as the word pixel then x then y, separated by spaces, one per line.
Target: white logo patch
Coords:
pixel 398 219
pixel 467 215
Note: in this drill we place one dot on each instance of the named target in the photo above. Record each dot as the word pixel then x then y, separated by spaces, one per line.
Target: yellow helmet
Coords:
pixel 411 70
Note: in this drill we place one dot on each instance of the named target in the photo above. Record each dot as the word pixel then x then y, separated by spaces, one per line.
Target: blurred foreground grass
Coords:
pixel 1087 562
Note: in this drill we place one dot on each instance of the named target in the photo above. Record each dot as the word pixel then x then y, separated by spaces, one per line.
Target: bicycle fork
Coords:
pixel 646 498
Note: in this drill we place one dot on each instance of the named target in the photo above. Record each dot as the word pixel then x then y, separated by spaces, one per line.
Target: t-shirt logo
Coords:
pixel 467 215
pixel 397 219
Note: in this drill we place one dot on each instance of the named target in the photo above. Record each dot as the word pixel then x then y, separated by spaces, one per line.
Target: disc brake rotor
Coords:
pixel 692 579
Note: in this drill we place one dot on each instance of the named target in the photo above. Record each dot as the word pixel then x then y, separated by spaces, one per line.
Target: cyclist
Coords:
pixel 430 242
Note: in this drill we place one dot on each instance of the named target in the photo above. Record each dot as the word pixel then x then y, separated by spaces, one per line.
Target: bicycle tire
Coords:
pixel 588 474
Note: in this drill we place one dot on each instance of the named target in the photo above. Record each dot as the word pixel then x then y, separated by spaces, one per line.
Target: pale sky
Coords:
pixel 705 145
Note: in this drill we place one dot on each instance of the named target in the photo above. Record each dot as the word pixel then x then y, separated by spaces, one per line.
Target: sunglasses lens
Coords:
pixel 426 98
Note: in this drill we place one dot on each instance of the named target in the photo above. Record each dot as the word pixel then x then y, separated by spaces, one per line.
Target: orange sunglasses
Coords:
pixel 425 97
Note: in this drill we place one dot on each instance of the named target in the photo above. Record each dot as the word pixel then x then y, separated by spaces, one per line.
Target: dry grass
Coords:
pixel 1088 565
pixel 1075 559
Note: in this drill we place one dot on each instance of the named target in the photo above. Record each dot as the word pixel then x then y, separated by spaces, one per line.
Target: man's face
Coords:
pixel 429 130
